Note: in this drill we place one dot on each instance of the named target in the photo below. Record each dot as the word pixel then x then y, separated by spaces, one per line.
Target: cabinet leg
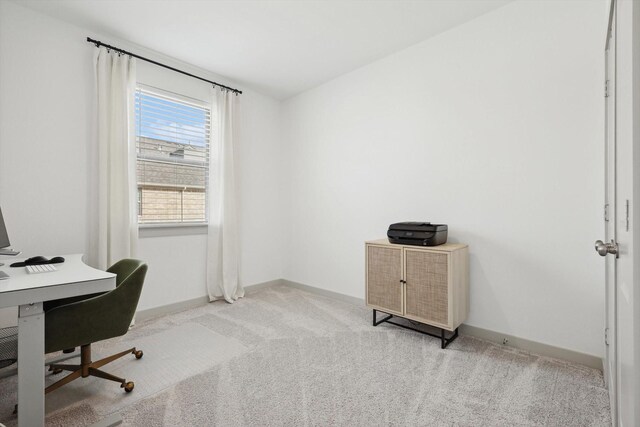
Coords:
pixel 376 322
pixel 445 342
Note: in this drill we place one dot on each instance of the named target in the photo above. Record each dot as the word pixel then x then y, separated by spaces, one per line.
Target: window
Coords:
pixel 172 144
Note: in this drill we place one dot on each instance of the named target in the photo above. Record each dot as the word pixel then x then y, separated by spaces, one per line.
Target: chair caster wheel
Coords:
pixel 138 354
pixel 15 409
pixel 128 387
pixel 54 370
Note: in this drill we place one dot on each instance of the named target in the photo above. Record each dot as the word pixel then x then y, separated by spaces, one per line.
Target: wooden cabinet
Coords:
pixel 425 284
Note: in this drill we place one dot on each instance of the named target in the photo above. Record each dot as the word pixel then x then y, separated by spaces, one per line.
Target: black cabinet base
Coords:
pixel 444 342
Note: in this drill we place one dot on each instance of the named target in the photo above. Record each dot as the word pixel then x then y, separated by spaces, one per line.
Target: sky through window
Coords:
pixel 167 120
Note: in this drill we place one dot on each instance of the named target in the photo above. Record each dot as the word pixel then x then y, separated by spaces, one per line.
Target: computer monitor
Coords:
pixel 4 236
pixel 4 240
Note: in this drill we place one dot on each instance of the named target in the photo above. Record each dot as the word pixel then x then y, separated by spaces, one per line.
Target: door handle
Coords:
pixel 606 248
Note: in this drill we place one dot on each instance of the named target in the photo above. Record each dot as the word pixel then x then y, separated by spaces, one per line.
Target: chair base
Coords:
pixel 88 368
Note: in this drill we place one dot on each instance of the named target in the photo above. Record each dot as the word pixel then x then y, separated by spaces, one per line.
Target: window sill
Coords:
pixel 161 230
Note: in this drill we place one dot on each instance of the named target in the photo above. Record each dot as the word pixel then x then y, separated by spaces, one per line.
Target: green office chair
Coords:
pixel 80 321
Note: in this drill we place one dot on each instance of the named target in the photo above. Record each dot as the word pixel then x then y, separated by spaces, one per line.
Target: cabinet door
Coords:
pixel 427 287
pixel 384 275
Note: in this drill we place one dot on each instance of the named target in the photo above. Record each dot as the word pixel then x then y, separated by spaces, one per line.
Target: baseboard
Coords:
pixel 164 310
pixel 532 346
pixel 484 334
pixel 252 288
pixel 323 292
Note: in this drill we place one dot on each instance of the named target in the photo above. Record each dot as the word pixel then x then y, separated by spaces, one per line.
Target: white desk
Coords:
pixel 28 292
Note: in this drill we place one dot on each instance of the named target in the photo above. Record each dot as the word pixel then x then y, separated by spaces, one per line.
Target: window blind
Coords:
pixel 172 143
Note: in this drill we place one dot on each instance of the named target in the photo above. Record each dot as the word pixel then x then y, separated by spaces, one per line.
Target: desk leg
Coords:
pixel 31 365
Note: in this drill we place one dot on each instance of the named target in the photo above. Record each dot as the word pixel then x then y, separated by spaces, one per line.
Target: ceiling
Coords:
pixel 277 47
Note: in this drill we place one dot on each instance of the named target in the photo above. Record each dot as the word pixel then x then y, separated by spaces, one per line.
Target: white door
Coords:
pixel 622 314
pixel 610 365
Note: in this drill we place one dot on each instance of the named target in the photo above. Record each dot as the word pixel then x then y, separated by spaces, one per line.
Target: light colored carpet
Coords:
pixel 309 360
pixel 169 357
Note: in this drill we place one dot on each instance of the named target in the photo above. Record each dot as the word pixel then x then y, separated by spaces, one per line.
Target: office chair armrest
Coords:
pixel 50 305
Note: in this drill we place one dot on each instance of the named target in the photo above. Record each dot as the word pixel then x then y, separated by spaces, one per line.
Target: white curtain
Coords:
pixel 223 242
pixel 115 229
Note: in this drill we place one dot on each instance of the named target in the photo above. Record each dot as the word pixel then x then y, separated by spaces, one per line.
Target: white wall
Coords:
pixel 46 87
pixel 495 128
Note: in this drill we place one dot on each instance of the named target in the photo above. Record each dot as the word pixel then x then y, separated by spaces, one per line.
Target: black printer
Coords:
pixel 417 233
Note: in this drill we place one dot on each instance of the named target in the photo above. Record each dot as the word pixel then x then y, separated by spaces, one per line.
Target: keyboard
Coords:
pixel 43 268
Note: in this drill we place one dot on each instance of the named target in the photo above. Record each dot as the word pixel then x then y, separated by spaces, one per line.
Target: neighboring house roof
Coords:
pixel 169 164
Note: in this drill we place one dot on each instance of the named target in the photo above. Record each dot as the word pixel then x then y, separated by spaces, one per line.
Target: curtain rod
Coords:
pixel 99 43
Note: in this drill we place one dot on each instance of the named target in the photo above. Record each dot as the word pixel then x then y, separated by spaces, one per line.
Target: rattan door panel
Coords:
pixel 384 275
pixel 427 286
